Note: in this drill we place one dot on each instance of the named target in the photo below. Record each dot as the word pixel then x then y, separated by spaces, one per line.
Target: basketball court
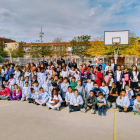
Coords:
pixel 24 121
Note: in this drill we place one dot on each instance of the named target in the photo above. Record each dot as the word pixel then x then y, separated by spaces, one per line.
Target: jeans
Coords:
pixel 75 108
pixel 106 96
pixel 102 107
pixel 128 109
pixel 84 85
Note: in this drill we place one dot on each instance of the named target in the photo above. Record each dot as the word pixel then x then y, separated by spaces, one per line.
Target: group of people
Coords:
pixel 79 89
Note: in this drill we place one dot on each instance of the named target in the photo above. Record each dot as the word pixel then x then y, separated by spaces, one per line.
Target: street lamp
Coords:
pixel 41 35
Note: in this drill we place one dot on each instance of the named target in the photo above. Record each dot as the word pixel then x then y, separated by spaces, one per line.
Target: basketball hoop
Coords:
pixel 116 43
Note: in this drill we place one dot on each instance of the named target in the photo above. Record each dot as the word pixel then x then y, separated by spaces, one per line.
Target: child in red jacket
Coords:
pixel 98 76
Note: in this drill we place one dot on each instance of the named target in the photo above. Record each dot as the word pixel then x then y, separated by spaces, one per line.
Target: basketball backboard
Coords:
pixel 116 37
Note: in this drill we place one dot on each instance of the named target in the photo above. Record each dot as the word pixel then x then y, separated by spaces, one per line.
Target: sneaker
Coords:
pixel 9 99
pixel 120 110
pixel 135 113
pixel 83 110
pixel 70 110
pixel 43 104
pixel 58 109
pixel 92 111
pixel 18 99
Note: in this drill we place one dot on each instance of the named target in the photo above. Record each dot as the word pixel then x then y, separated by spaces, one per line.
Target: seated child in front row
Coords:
pixel 101 102
pixel 42 97
pixel 90 102
pixel 136 107
pixel 55 100
pixel 123 103
pixel 32 96
pixel 4 92
pixel 76 102
pixel 16 93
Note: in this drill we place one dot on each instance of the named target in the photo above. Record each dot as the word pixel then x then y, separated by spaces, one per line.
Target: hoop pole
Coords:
pixel 96 61
pixel 136 60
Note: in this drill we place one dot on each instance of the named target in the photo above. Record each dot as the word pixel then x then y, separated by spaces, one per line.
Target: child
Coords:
pixel 77 75
pixel 60 82
pixel 129 93
pixel 28 73
pixel 16 93
pixel 32 96
pixel 125 77
pixel 4 92
pixel 92 76
pixel 68 96
pixel 49 71
pixel 73 83
pixel 41 77
pixel 90 102
pixel 136 107
pixel 134 77
pixel 42 97
pixel 54 101
pixel 98 76
pixel 96 89
pixel 76 102
pixel 84 78
pixel 27 79
pixel 36 86
pixel 11 83
pixel 17 74
pixel 71 72
pixel 81 90
pixel 25 92
pixel 88 87
pixel 56 80
pixel 118 78
pixel 101 103
pixel 123 103
pixel 64 87
pixel 111 100
pixel 64 73
pixel 20 82
pixel 105 89
pixel 109 74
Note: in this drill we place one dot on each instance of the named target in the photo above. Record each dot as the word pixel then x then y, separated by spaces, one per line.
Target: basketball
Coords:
pixel 56 101
pixel 34 68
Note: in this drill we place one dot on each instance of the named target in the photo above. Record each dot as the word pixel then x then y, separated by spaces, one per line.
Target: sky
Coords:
pixel 21 20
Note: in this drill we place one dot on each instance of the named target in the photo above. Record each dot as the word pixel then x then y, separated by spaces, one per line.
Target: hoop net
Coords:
pixel 116 43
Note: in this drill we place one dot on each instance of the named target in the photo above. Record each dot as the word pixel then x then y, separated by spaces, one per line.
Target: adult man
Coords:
pixel 113 66
pixel 60 60
pixel 103 65
pixel 44 61
pixel 72 63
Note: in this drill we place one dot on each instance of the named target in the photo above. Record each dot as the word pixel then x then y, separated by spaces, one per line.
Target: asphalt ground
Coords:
pixel 24 121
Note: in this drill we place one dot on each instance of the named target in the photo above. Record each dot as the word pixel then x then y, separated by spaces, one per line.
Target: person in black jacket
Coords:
pixel 72 64
pixel 60 60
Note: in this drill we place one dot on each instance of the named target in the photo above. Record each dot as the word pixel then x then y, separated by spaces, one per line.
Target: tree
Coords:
pixel 61 47
pixel 3 53
pixel 18 52
pixel 80 45
pixel 98 47
pixel 37 51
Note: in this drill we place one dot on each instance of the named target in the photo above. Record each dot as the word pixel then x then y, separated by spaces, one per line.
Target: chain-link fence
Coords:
pixel 24 60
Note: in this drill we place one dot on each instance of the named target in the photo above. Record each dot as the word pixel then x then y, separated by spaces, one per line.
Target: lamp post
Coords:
pixel 41 35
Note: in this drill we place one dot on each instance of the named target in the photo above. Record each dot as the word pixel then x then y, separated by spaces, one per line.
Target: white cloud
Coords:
pixel 65 18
